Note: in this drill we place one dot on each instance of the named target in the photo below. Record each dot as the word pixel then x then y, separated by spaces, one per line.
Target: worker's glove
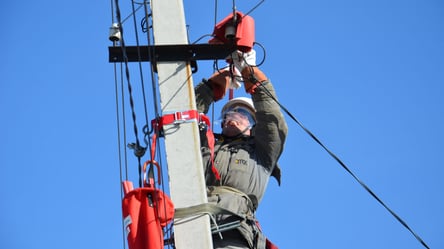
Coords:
pixel 220 81
pixel 242 60
pixel 235 78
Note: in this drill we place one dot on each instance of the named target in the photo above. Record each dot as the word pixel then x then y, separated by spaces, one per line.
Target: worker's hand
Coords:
pixel 242 60
pixel 219 82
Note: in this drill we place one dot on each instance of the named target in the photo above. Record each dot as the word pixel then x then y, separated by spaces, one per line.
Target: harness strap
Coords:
pixel 150 174
pixel 261 241
pixel 183 117
pixel 231 190
pixel 174 118
pixel 212 210
pixel 202 209
pixel 211 141
pixel 268 243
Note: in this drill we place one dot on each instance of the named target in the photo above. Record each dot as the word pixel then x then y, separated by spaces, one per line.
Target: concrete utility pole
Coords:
pixel 182 144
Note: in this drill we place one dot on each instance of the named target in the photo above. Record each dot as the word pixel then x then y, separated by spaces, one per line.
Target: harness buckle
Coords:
pixel 175 118
pixel 182 117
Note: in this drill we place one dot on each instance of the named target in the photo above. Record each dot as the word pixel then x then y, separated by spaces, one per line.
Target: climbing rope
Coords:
pixel 144 170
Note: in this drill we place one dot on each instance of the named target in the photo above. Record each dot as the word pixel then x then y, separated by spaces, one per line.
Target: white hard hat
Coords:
pixel 237 105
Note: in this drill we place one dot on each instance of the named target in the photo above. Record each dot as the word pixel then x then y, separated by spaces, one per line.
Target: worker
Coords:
pixel 238 168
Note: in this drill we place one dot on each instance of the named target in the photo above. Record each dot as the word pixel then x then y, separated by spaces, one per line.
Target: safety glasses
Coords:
pixel 238 112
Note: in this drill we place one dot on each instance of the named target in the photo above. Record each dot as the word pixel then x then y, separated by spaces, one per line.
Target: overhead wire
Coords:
pixel 142 83
pixel 118 121
pixel 151 52
pixel 397 217
pixel 139 151
pixel 154 91
pixel 138 147
pixel 337 159
pixel 148 13
pixel 124 171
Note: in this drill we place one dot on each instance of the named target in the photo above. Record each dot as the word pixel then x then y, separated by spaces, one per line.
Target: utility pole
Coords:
pixel 182 144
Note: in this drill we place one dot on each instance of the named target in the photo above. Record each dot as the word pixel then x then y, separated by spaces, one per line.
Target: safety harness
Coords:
pixel 147 210
pixel 188 116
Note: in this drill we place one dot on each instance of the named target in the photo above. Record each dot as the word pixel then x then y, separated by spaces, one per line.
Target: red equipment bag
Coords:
pixel 145 211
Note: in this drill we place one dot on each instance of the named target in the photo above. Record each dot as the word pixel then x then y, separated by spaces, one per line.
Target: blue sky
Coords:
pixel 366 77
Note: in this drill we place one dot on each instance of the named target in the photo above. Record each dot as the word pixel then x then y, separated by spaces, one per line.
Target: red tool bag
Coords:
pixel 145 212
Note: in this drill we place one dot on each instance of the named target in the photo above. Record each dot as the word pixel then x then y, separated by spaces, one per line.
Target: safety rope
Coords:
pixel 116 87
pixel 155 145
pixel 397 217
pixel 139 150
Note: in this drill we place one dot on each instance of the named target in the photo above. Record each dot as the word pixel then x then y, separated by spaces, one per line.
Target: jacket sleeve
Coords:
pixel 271 129
pixel 204 96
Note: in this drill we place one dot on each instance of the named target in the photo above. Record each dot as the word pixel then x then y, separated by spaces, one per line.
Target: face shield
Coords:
pixel 239 114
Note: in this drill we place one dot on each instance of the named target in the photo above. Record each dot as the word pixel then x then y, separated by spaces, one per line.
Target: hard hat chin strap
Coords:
pixel 237 135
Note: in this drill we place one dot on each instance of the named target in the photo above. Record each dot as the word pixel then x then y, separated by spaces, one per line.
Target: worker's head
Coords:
pixel 238 117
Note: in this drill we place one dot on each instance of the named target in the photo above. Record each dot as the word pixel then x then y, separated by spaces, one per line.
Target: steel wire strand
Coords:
pixel 139 62
pixel 116 89
pixel 138 150
pixel 397 217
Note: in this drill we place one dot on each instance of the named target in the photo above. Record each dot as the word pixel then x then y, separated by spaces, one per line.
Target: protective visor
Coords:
pixel 238 113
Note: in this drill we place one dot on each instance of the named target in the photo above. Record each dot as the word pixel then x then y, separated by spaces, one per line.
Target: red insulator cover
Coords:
pixel 244 34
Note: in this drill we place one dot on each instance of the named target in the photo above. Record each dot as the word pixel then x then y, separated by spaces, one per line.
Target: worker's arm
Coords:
pixel 271 129
pixel 211 90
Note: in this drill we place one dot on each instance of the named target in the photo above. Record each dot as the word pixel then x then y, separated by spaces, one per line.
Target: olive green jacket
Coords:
pixel 245 163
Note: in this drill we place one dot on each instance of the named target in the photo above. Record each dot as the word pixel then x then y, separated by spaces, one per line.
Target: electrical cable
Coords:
pixel 397 217
pixel 139 151
pixel 148 14
pixel 118 132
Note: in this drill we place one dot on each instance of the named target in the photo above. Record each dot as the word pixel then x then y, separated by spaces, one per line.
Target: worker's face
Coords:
pixel 235 123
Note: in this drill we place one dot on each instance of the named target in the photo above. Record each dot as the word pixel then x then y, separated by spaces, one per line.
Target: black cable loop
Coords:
pixel 346 168
pixel 264 51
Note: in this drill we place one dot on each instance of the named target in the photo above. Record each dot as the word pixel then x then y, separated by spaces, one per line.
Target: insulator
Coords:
pixel 114 33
